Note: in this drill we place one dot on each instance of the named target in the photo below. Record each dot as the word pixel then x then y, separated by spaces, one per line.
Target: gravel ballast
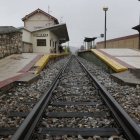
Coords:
pixel 127 96
pixel 22 98
pixel 75 86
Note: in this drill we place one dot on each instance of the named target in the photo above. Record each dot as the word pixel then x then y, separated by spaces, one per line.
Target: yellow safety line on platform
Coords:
pixel 43 61
pixel 117 67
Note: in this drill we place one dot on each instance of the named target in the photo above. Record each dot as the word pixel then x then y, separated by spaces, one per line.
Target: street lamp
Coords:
pixel 105 9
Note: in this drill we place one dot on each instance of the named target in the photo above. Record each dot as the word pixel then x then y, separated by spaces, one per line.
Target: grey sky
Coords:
pixel 84 18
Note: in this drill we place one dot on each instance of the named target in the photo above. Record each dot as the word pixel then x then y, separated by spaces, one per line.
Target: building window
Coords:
pixel 41 42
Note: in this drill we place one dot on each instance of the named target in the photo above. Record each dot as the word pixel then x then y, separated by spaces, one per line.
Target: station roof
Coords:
pixel 87 39
pixel 40 11
pixel 23 28
pixel 137 28
pixel 8 29
pixel 60 30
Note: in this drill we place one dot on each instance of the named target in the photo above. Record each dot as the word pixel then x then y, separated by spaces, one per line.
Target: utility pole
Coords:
pixel 105 9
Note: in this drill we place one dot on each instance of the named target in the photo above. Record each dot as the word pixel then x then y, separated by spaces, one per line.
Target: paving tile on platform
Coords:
pixel 14 66
pixel 121 52
pixel 133 61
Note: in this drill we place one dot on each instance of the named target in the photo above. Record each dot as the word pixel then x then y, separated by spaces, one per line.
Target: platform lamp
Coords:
pixel 105 9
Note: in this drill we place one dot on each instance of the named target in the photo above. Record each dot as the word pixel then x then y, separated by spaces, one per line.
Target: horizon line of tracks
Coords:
pixel 122 125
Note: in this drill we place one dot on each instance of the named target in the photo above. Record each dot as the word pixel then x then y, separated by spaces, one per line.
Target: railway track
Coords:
pixel 77 106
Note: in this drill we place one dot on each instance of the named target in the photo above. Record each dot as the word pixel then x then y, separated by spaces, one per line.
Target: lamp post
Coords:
pixel 105 9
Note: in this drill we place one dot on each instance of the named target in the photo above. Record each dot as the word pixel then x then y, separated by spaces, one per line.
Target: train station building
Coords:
pixel 41 33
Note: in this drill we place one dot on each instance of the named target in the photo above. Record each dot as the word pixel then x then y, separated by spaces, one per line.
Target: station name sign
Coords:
pixel 40 35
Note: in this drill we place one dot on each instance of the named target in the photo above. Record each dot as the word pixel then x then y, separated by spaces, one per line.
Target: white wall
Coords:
pixel 26 36
pixel 38 21
pixel 49 36
pixel 41 49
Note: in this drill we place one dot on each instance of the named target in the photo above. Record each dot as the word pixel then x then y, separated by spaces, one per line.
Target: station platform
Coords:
pixel 127 57
pixel 126 62
pixel 116 66
pixel 23 68
pixel 16 66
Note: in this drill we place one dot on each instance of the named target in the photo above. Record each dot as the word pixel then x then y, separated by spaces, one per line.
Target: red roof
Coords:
pixel 40 11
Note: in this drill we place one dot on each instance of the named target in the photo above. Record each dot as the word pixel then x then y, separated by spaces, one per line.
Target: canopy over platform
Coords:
pixel 89 39
pixel 137 28
pixel 60 30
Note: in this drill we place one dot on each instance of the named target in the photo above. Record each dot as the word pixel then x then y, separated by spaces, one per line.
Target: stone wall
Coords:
pixel 10 43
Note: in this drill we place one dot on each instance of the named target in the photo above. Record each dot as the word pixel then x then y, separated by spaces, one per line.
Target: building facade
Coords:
pixel 42 33
pixel 122 42
pixel 38 19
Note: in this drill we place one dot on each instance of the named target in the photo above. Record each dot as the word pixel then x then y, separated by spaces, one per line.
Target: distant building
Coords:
pixel 82 47
pixel 43 33
pixel 130 41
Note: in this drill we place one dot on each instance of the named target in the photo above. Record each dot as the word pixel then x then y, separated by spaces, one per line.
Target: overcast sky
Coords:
pixel 84 18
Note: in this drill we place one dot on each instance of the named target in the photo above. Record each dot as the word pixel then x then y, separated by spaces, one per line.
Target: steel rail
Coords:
pixel 130 128
pixel 24 132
